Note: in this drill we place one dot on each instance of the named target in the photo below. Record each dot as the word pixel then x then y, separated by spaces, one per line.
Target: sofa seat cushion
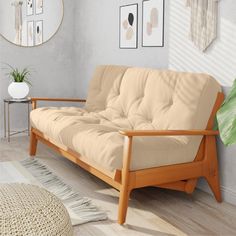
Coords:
pixel 103 145
pixel 98 140
pixel 51 120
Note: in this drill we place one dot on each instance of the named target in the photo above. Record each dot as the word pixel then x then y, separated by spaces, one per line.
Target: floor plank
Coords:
pixel 152 211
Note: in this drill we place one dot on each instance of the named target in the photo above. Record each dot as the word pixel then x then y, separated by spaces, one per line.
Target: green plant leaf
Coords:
pixel 226 118
pixel 18 76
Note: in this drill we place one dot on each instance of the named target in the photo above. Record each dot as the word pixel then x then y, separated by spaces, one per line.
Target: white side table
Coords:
pixel 7 129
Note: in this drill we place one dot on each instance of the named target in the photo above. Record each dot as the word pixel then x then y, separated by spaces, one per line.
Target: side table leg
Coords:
pixel 5 124
pixel 28 119
pixel 8 123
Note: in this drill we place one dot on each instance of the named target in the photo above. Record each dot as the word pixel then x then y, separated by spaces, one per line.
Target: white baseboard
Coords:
pixel 228 194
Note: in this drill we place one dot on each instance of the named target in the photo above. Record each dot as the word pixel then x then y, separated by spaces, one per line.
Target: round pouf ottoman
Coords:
pixel 31 210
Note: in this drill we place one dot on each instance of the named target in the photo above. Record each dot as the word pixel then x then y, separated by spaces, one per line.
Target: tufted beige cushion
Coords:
pixel 142 99
pixel 52 120
pixel 101 85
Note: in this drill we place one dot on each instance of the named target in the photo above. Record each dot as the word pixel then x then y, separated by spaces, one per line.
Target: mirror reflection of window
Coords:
pixel 30 22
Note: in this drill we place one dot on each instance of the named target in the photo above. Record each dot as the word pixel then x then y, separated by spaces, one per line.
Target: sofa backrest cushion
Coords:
pixel 101 84
pixel 156 99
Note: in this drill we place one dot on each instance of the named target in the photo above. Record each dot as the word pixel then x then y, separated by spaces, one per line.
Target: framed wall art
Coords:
pixel 153 23
pixel 38 32
pixel 30 8
pixel 129 26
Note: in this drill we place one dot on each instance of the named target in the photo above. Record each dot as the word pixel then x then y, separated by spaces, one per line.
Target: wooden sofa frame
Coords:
pixel 182 177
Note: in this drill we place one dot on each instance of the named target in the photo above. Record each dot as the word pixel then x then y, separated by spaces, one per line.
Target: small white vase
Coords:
pixel 18 90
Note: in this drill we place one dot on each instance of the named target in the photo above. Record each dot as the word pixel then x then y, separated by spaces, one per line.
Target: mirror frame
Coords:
pixel 35 46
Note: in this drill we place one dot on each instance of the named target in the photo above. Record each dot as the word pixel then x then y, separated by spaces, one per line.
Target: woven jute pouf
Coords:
pixel 31 210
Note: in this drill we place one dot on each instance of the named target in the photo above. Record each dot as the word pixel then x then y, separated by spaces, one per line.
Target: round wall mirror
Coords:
pixel 30 23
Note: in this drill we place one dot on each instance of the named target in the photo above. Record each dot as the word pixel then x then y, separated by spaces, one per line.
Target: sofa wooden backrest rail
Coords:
pixel 182 175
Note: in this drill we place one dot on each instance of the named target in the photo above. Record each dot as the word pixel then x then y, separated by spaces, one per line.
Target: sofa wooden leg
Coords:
pixel 123 205
pixel 214 184
pixel 125 181
pixel 33 144
pixel 212 171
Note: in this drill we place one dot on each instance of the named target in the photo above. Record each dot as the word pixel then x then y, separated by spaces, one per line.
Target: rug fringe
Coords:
pixel 81 206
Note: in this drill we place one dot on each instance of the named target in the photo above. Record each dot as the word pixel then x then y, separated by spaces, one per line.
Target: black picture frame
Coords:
pixel 163 26
pixel 120 9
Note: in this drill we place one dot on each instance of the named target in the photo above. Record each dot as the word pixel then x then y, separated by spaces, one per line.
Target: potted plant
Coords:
pixel 19 87
pixel 226 118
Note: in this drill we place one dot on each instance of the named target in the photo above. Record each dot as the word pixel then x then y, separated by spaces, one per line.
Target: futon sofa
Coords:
pixel 138 127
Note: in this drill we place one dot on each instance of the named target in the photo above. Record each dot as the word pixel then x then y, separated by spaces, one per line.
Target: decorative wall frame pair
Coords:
pixel 34 5
pixel 153 15
pixel 34 28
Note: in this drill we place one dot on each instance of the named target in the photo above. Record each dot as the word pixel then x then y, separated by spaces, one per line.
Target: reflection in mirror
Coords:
pixel 30 22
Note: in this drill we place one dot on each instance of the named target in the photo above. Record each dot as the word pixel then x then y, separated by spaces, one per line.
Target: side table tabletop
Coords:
pixel 7 129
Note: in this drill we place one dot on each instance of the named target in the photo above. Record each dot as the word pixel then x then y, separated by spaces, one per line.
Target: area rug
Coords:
pixel 80 209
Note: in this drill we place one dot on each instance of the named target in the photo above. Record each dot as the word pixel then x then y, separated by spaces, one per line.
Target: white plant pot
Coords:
pixel 18 90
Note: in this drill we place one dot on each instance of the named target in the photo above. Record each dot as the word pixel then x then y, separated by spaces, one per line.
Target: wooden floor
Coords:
pixel 152 211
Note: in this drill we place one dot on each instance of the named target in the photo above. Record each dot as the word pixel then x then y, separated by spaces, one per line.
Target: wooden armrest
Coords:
pixel 132 133
pixel 35 100
pixel 58 99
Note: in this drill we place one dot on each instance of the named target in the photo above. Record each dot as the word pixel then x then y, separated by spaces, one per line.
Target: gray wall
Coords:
pixel 97 41
pixel 53 63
